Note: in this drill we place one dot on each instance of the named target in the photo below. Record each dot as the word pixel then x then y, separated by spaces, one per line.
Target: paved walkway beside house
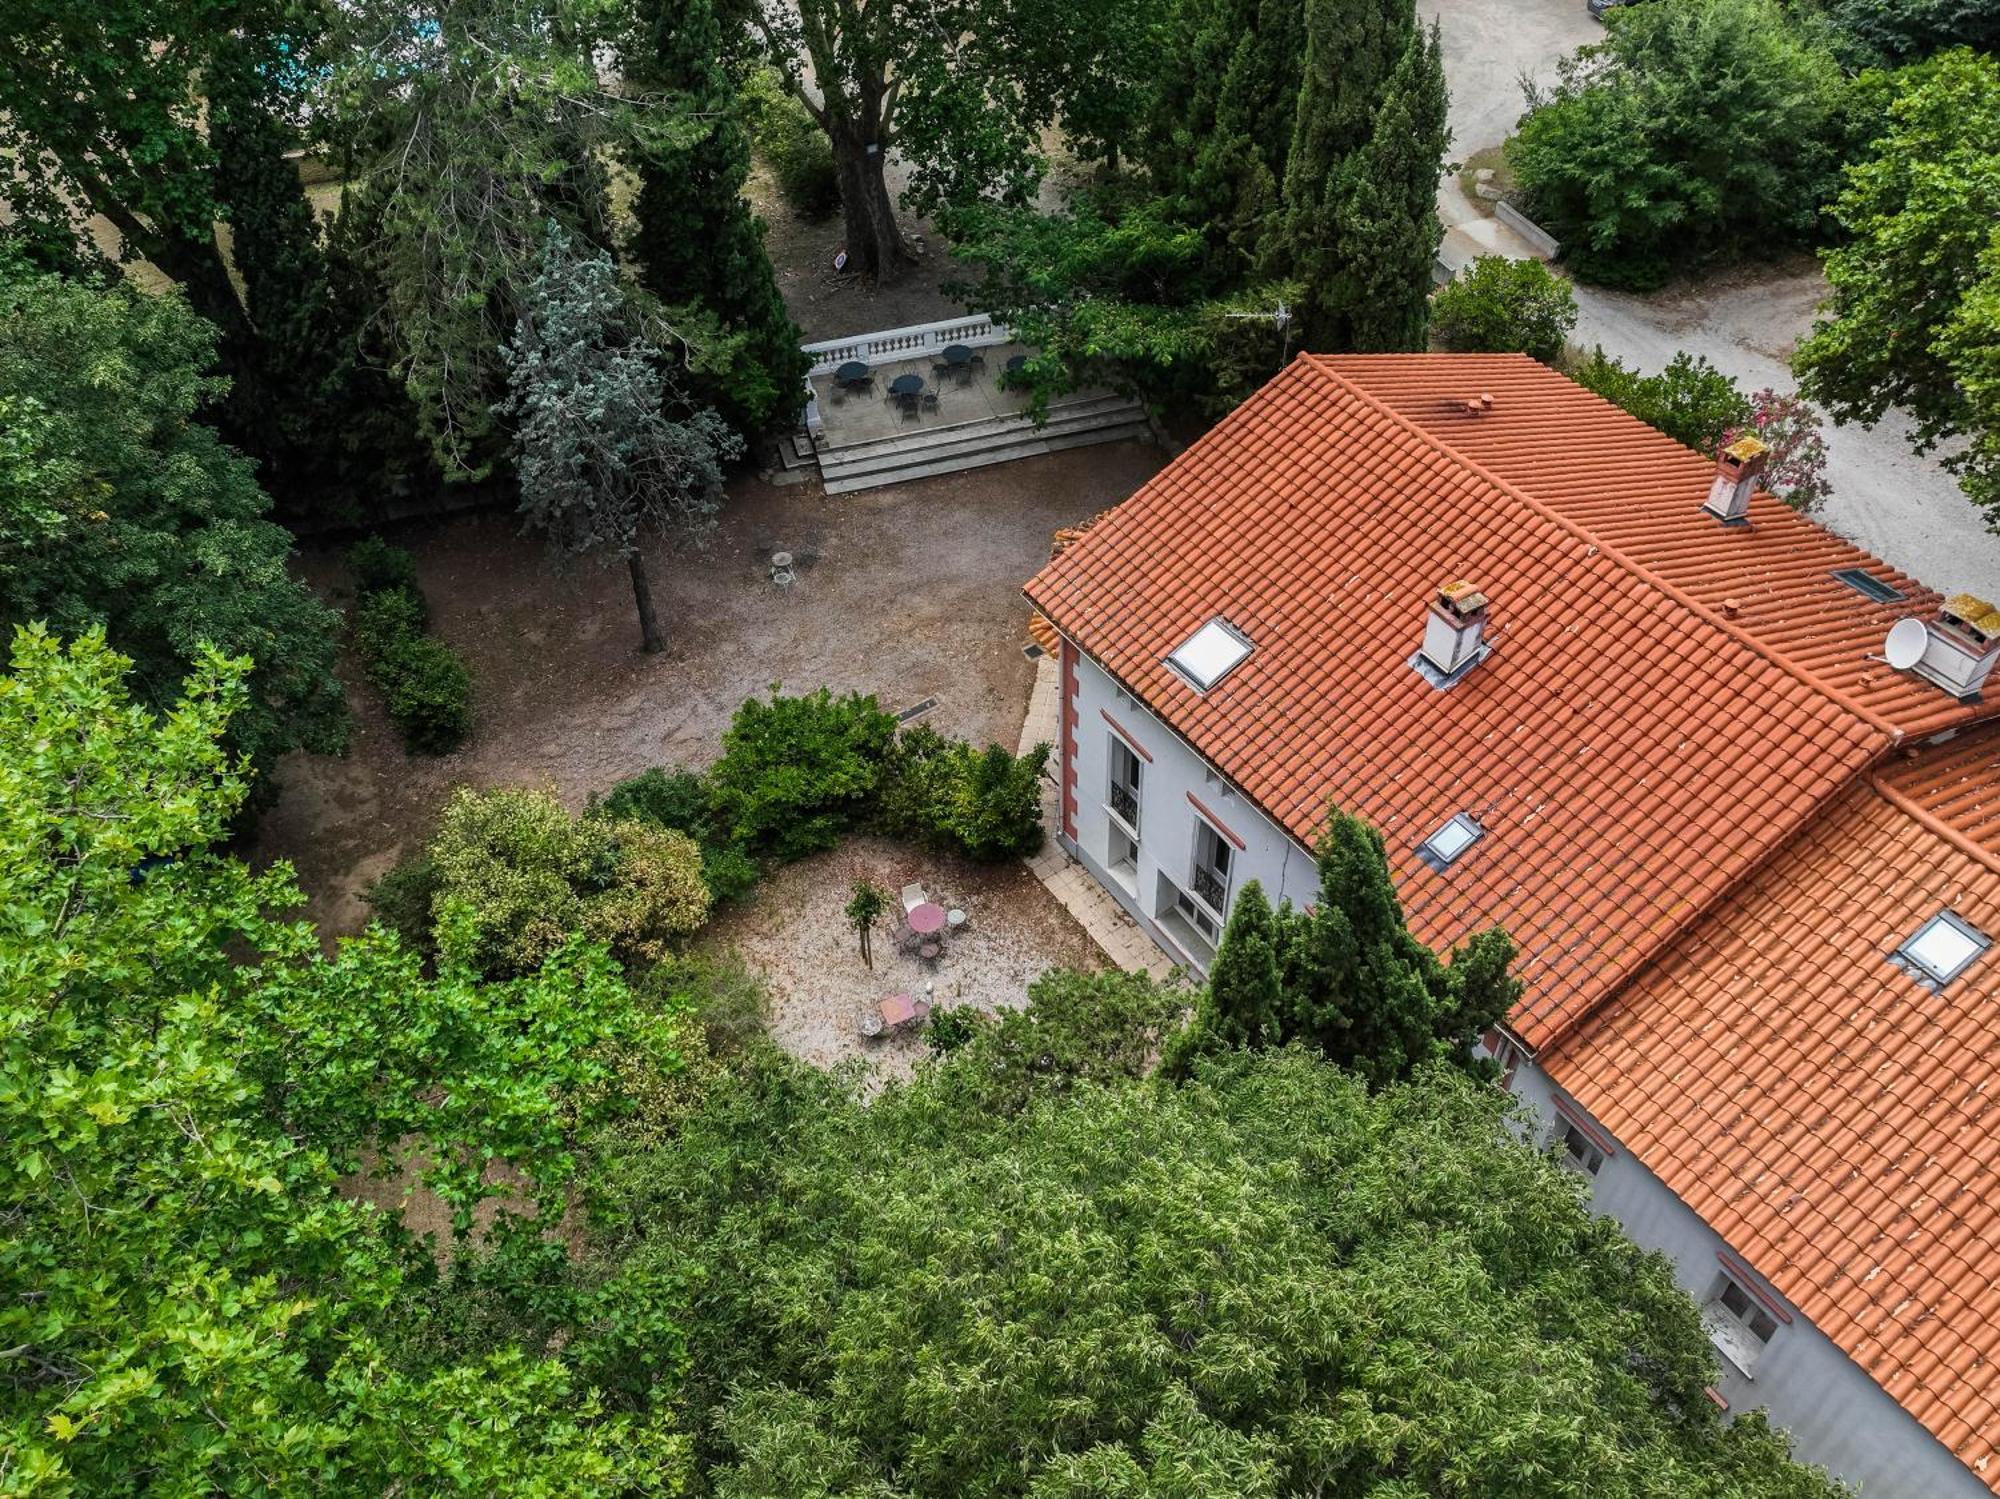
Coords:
pixel 1122 938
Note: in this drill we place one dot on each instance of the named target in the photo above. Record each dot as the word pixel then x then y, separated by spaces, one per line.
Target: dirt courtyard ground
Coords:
pixel 794 933
pixel 908 593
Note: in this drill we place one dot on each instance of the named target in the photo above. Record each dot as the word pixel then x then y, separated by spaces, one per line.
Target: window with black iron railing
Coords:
pixel 1210 888
pixel 1124 802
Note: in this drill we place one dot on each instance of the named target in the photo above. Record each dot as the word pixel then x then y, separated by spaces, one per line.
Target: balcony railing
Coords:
pixel 974 332
pixel 1125 802
pixel 1210 889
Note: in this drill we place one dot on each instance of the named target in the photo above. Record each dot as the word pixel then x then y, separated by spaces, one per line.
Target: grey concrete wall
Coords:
pixel 1167 818
pixel 1544 243
pixel 1838 1416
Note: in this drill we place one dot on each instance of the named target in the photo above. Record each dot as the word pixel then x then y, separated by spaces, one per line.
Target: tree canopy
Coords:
pixel 1290 155
pixel 187 1078
pixel 123 510
pixel 1694 130
pixel 1346 977
pixel 1914 317
pixel 1267 1281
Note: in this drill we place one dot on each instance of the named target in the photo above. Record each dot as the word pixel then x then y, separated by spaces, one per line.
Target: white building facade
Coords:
pixel 1173 841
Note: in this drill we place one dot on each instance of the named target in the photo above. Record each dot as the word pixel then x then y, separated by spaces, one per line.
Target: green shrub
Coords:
pixel 1078 1028
pixel 518 876
pixel 384 620
pixel 680 799
pixel 730 874
pixel 1690 400
pixel 724 993
pixel 402 899
pixel 983 804
pixel 429 693
pixel 675 799
pixel 797 773
pixel 376 566
pixel 948 1030
pixel 791 143
pixel 1697 129
pixel 1502 306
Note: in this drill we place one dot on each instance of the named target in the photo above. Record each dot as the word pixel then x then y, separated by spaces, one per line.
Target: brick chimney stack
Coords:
pixel 1738 467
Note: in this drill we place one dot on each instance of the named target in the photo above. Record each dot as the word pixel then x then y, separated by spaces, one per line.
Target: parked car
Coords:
pixel 1597 8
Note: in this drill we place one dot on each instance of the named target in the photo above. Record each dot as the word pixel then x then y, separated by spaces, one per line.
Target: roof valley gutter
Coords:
pixel 1931 823
pixel 1685 600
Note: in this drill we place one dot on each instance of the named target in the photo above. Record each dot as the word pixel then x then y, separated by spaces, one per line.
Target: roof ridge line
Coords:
pixel 1686 600
pixel 1928 820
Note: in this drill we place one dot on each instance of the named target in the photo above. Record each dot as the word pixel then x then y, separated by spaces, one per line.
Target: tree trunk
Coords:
pixel 642 595
pixel 875 246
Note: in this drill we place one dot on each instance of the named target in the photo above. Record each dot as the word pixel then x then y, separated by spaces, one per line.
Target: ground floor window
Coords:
pixel 1738 1325
pixel 1580 1152
pixel 1122 857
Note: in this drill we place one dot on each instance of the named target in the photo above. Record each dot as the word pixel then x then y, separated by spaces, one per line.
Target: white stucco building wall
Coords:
pixel 1837 1415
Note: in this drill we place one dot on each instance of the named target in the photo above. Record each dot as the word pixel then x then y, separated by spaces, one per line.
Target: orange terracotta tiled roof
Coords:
pixel 1633 489
pixel 1832 1119
pixel 1710 816
pixel 1630 751
pixel 1957 783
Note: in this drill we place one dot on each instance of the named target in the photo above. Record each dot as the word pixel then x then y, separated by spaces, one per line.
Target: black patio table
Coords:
pixel 1016 363
pixel 854 372
pixel 957 354
pixel 906 385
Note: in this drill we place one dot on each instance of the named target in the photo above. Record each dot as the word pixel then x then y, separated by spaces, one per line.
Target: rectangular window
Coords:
pixel 1123 851
pixel 1123 797
pixel 1210 875
pixel 1738 1325
pixel 1580 1152
pixel 1941 949
pixel 1442 848
pixel 1868 585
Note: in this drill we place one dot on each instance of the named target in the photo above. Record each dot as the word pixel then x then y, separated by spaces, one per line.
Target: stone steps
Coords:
pixel 966 445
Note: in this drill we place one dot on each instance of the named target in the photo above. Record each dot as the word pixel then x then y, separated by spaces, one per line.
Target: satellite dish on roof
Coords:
pixel 1906 643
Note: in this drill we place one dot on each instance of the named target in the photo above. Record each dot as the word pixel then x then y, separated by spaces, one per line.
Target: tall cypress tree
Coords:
pixel 1388 229
pixel 1352 48
pixel 328 431
pixel 700 247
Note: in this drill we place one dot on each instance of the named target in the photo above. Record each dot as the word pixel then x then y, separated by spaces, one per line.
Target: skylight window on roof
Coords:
pixel 1868 585
pixel 1443 847
pixel 1941 950
pixel 1210 654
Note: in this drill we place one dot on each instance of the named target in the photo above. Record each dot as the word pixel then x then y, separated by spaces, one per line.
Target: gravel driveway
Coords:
pixel 1904 508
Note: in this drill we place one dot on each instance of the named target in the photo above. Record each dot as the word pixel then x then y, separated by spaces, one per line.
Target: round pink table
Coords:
pixel 927 920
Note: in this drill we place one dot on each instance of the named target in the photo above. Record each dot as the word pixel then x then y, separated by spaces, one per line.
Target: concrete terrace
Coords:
pixel 863 439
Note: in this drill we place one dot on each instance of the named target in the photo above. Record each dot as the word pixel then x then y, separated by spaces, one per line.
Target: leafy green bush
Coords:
pixel 424 683
pixel 983 804
pixel 681 800
pixel 385 619
pixel 376 566
pixel 1077 1029
pixel 518 876
pixel 1697 129
pixel 402 900
pixel 797 773
pixel 949 1029
pixel 1690 400
pixel 429 692
pixel 1502 306
pixel 675 799
pixel 792 145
